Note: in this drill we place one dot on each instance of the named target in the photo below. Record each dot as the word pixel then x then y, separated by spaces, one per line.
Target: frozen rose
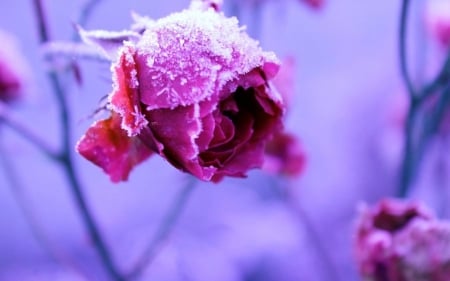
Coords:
pixel 12 69
pixel 402 241
pixel 191 87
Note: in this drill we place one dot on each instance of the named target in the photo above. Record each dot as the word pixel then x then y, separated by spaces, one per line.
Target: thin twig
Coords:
pixel 26 207
pixel 66 159
pixel 403 51
pixel 409 161
pixel 312 233
pixel 441 80
pixel 85 13
pixel 8 119
pixel 164 229
pixel 72 50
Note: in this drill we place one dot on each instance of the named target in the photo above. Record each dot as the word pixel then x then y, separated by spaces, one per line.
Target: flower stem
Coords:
pixel 417 135
pixel 8 119
pixel 164 229
pixel 66 160
pixel 408 163
pixel 312 233
pixel 403 52
pixel 25 205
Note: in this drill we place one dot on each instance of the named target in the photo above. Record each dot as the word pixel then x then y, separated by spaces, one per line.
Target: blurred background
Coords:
pixel 347 108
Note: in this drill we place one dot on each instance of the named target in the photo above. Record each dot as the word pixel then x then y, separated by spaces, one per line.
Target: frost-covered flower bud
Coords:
pixel 402 241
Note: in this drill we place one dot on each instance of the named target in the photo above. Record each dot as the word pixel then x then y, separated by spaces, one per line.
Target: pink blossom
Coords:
pixel 192 87
pixel 438 21
pixel 13 69
pixel 402 241
pixel 284 155
pixel 315 4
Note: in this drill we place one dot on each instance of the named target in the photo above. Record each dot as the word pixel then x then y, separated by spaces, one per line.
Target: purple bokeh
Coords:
pixel 347 81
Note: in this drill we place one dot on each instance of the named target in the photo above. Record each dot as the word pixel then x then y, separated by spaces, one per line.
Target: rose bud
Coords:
pixel 402 241
pixel 192 87
pixel 284 156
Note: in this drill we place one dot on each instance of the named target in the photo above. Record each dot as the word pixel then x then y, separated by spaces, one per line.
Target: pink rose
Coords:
pixel 401 241
pixel 191 87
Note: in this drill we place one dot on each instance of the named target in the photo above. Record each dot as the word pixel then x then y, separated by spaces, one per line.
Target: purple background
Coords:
pixel 347 89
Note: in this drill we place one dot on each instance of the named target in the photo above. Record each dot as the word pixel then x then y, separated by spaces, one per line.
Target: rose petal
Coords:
pixel 180 147
pixel 125 96
pixel 107 145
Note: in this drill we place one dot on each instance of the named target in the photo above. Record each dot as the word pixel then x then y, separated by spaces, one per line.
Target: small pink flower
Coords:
pixel 401 241
pixel 284 155
pixel 315 4
pixel 438 21
pixel 12 69
pixel 192 87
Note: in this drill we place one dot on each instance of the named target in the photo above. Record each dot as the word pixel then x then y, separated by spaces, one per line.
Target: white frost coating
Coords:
pixel 150 61
pixel 134 82
pixel 195 53
pixel 141 23
pixel 195 134
pixel 107 42
pixel 140 119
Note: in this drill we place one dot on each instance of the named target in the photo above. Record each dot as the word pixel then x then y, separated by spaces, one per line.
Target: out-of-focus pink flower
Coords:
pixel 13 69
pixel 438 20
pixel 284 155
pixel 192 87
pixel 315 4
pixel 402 241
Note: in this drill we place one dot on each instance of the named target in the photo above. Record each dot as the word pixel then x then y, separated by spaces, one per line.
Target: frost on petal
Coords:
pixel 141 23
pixel 107 145
pixel 180 147
pixel 189 56
pixel 125 96
pixel 108 42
